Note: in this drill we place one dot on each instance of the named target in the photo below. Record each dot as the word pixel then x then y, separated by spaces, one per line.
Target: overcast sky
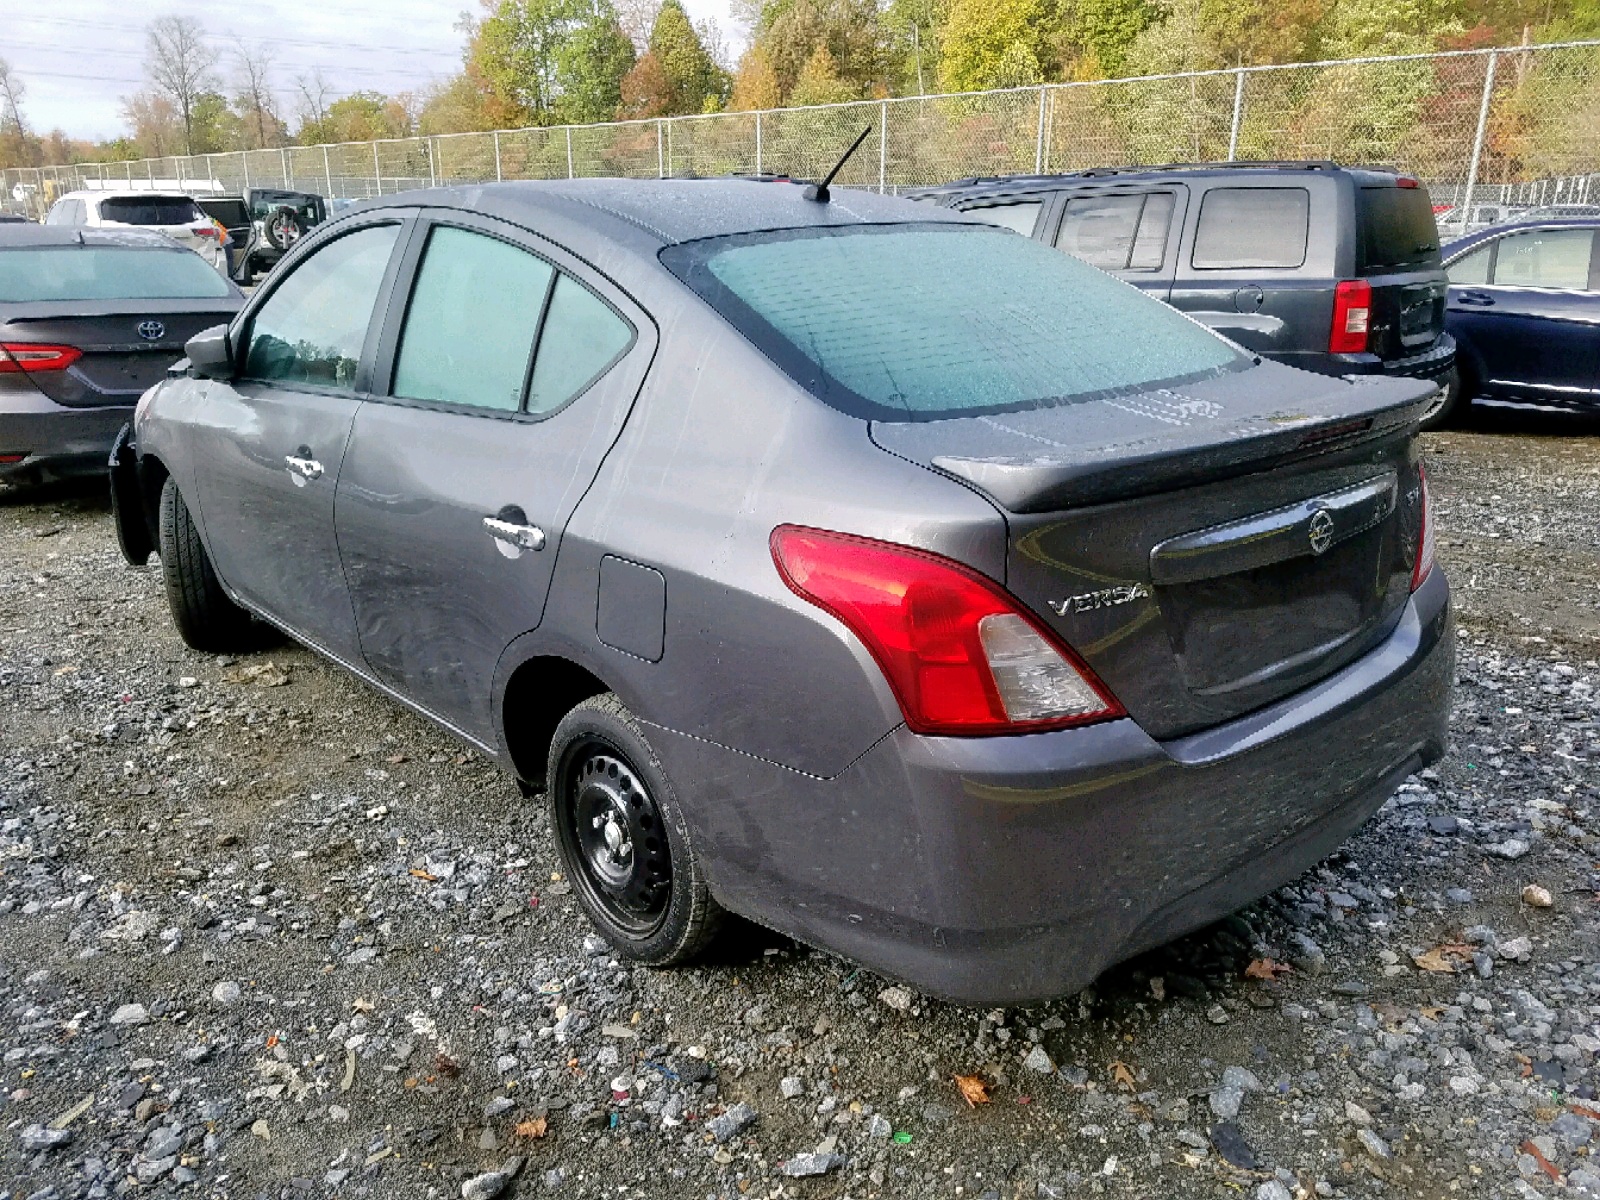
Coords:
pixel 77 58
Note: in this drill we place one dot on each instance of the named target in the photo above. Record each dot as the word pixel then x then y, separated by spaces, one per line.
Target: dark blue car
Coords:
pixel 1524 308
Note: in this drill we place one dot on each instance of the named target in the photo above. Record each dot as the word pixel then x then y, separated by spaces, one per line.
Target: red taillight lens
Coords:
pixel 25 356
pixel 1424 563
pixel 1352 313
pixel 961 655
pixel 1406 181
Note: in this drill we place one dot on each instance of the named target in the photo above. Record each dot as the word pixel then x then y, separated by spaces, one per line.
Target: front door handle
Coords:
pixel 303 465
pixel 1476 299
pixel 514 536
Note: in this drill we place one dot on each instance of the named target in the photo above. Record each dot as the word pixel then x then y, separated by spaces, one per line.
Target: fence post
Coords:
pixel 1038 137
pixel 883 147
pixel 497 174
pixel 1238 113
pixel 661 152
pixel 327 170
pixel 1477 138
pixel 377 169
pixel 433 171
pixel 283 168
pixel 244 161
pixel 569 152
pixel 759 169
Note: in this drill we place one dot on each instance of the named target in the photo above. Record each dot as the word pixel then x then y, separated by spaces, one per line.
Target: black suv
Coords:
pixel 263 224
pixel 1329 268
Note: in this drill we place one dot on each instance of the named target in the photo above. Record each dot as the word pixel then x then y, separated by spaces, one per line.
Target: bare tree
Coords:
pixel 636 17
pixel 181 67
pixel 13 129
pixel 315 93
pixel 253 91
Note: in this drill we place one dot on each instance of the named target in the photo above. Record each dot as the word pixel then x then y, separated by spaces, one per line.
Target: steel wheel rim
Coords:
pixel 1441 398
pixel 615 838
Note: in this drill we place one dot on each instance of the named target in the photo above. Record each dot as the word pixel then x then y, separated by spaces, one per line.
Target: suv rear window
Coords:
pixel 1397 228
pixel 149 210
pixel 921 322
pixel 106 273
pixel 1252 227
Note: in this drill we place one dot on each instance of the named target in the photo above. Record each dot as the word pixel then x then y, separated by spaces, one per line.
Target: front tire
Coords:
pixel 623 840
pixel 207 620
pixel 1445 412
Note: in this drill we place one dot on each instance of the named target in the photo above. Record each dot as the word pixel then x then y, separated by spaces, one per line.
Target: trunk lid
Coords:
pixel 119 361
pixel 1209 552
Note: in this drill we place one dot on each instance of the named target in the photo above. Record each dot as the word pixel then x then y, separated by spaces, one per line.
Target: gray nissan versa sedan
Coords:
pixel 880 575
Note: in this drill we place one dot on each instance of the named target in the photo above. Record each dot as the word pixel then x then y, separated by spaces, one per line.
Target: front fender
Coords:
pixel 136 534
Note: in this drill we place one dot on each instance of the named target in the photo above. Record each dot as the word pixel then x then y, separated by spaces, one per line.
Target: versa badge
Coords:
pixel 1109 597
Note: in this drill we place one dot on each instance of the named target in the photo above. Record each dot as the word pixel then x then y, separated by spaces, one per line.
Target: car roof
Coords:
pixel 124 194
pixel 1491 232
pixel 16 236
pixel 979 185
pixel 662 212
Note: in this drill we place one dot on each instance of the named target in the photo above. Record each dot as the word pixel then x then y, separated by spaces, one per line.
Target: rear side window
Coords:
pixel 1118 233
pixel 1547 258
pixel 1252 227
pixel 106 273
pixel 311 329
pixel 474 313
pixel 921 322
pixel 1021 217
pixel 1397 228
pixel 581 338
pixel 149 210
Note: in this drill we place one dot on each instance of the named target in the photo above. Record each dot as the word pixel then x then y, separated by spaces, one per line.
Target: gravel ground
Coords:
pixel 264 933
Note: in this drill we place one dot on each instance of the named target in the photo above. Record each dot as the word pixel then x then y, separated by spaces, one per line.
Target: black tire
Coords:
pixel 207 620
pixel 651 903
pixel 1446 413
pixel 283 227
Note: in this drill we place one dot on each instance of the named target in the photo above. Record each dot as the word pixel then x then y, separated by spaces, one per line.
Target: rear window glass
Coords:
pixel 42 273
pixel 149 210
pixel 917 323
pixel 1020 217
pixel 1397 228
pixel 1252 227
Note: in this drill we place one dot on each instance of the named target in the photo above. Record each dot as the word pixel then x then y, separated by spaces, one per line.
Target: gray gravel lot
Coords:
pixel 264 933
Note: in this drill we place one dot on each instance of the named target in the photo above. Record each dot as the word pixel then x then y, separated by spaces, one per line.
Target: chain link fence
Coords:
pixel 1495 128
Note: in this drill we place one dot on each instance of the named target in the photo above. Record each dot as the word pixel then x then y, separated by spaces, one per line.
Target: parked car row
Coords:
pixel 852 565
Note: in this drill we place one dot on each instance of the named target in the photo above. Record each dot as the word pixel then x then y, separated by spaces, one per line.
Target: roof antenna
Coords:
pixel 819 191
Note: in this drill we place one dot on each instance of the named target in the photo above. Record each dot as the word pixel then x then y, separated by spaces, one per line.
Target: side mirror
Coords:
pixel 210 356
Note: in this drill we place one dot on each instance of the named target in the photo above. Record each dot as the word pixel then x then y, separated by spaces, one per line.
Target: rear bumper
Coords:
pixel 58 441
pixel 1006 870
pixel 1437 361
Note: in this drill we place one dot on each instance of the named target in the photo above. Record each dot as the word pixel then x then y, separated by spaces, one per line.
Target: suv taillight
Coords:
pixel 961 655
pixel 1424 563
pixel 26 356
pixel 1352 314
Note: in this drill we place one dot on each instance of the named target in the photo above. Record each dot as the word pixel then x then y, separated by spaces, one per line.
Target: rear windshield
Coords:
pixel 230 212
pixel 149 210
pixel 106 273
pixel 1397 228
pixel 922 322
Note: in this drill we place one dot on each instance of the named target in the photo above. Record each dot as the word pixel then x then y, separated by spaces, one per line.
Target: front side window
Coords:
pixel 1252 228
pixel 1472 269
pixel 471 324
pixel 1021 217
pixel 1545 258
pixel 920 322
pixel 311 329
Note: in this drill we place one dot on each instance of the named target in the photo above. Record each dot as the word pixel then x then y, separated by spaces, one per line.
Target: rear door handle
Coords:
pixel 515 536
pixel 303 465
pixel 1476 299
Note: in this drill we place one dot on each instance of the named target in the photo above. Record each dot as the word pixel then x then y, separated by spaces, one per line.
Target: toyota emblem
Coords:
pixel 152 331
pixel 1321 531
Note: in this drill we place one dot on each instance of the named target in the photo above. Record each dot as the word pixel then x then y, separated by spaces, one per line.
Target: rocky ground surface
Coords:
pixel 262 933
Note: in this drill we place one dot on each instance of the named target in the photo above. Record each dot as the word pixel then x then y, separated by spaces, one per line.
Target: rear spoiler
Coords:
pixel 1187 455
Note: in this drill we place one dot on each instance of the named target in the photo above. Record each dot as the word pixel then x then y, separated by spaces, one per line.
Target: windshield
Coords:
pixel 921 322
pixel 149 210
pixel 106 273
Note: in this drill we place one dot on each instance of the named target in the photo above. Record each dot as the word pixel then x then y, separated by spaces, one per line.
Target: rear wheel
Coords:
pixel 207 620
pixel 622 838
pixel 284 227
pixel 1447 404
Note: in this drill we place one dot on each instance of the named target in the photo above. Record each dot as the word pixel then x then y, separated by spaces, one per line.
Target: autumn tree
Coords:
pixel 755 85
pixel 991 43
pixel 819 81
pixel 181 67
pixel 646 90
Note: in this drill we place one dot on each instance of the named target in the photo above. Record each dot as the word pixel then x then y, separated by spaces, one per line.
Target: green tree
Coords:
pixel 692 77
pixel 819 82
pixel 1105 29
pixel 590 66
pixel 987 41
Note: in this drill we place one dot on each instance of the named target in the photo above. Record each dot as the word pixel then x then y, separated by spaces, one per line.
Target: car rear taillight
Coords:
pixel 962 656
pixel 1352 314
pixel 1406 181
pixel 1424 563
pixel 7 460
pixel 26 356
